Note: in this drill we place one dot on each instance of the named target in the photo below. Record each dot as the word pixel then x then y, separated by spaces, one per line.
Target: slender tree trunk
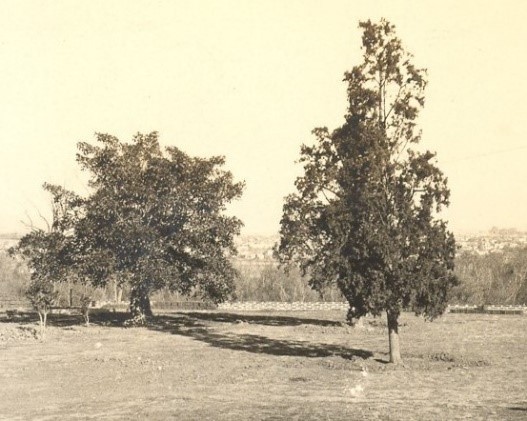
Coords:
pixel 86 314
pixel 140 304
pixel 393 336
pixel 41 324
pixel 117 291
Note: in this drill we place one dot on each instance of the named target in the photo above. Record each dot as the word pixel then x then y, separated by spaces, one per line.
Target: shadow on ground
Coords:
pixel 67 320
pixel 260 319
pixel 189 324
pixel 108 318
pixel 200 326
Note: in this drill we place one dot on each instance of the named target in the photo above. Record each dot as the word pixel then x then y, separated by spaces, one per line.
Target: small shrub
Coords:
pixel 42 296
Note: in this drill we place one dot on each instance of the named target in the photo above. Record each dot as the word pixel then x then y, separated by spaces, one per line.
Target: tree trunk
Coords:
pixel 393 335
pixel 87 316
pixel 41 324
pixel 140 304
pixel 117 291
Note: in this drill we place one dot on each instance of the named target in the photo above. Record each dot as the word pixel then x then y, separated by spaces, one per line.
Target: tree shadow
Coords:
pixel 191 327
pixel 19 317
pixel 112 318
pixel 115 319
pixel 267 320
pixel 197 325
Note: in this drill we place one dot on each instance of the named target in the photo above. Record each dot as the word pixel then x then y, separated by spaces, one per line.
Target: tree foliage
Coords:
pixel 155 219
pixel 365 214
pixel 48 253
pixel 42 296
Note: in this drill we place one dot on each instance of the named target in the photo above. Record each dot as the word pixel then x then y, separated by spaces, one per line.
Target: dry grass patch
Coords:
pixel 227 366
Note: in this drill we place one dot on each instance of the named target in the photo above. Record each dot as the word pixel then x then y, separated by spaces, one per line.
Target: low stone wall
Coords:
pixel 256 306
pixel 488 309
pixel 280 306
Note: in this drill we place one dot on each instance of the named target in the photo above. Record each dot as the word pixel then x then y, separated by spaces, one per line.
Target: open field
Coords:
pixel 252 366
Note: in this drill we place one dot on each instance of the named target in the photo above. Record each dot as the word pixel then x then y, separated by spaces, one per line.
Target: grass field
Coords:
pixel 256 366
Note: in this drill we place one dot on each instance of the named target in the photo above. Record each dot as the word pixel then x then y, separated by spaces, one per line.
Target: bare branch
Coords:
pixel 31 225
pixel 45 220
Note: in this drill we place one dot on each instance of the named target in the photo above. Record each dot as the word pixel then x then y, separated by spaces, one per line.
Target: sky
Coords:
pixel 250 80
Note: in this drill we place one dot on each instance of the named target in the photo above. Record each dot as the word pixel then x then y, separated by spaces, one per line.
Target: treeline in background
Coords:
pixel 496 278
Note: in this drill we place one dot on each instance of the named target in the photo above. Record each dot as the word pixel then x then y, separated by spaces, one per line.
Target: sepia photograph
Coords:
pixel 263 210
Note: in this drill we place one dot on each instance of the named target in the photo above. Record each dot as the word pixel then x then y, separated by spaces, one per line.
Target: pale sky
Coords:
pixel 250 80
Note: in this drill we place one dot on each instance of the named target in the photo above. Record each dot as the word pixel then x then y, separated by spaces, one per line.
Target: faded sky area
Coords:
pixel 250 80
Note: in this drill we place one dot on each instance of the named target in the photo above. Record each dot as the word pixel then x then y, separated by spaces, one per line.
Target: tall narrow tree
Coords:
pixel 365 215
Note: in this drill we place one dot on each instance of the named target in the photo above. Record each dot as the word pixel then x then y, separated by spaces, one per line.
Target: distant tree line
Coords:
pixel 493 278
pixel 498 278
pixel 270 282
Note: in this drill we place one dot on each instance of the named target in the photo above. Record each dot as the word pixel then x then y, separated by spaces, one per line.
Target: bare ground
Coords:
pixel 257 366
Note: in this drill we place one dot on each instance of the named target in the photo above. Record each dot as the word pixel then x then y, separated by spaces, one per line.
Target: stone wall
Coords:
pixel 487 309
pixel 280 306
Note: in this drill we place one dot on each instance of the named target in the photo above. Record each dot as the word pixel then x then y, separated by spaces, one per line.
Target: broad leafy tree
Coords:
pixel 155 218
pixel 365 214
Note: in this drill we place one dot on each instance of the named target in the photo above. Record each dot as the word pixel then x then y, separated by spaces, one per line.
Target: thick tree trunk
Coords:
pixel 393 335
pixel 140 304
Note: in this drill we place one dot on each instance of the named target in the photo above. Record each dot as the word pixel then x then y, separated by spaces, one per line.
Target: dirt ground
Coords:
pixel 261 366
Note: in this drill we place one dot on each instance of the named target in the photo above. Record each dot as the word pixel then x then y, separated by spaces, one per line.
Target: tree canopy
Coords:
pixel 154 218
pixel 365 214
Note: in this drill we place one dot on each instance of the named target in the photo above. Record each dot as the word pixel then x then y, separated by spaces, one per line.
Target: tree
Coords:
pixel 44 253
pixel 48 252
pixel 365 214
pixel 155 219
pixel 42 296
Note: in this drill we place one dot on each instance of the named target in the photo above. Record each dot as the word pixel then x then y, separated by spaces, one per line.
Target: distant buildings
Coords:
pixel 260 248
pixel 495 240
pixel 255 247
